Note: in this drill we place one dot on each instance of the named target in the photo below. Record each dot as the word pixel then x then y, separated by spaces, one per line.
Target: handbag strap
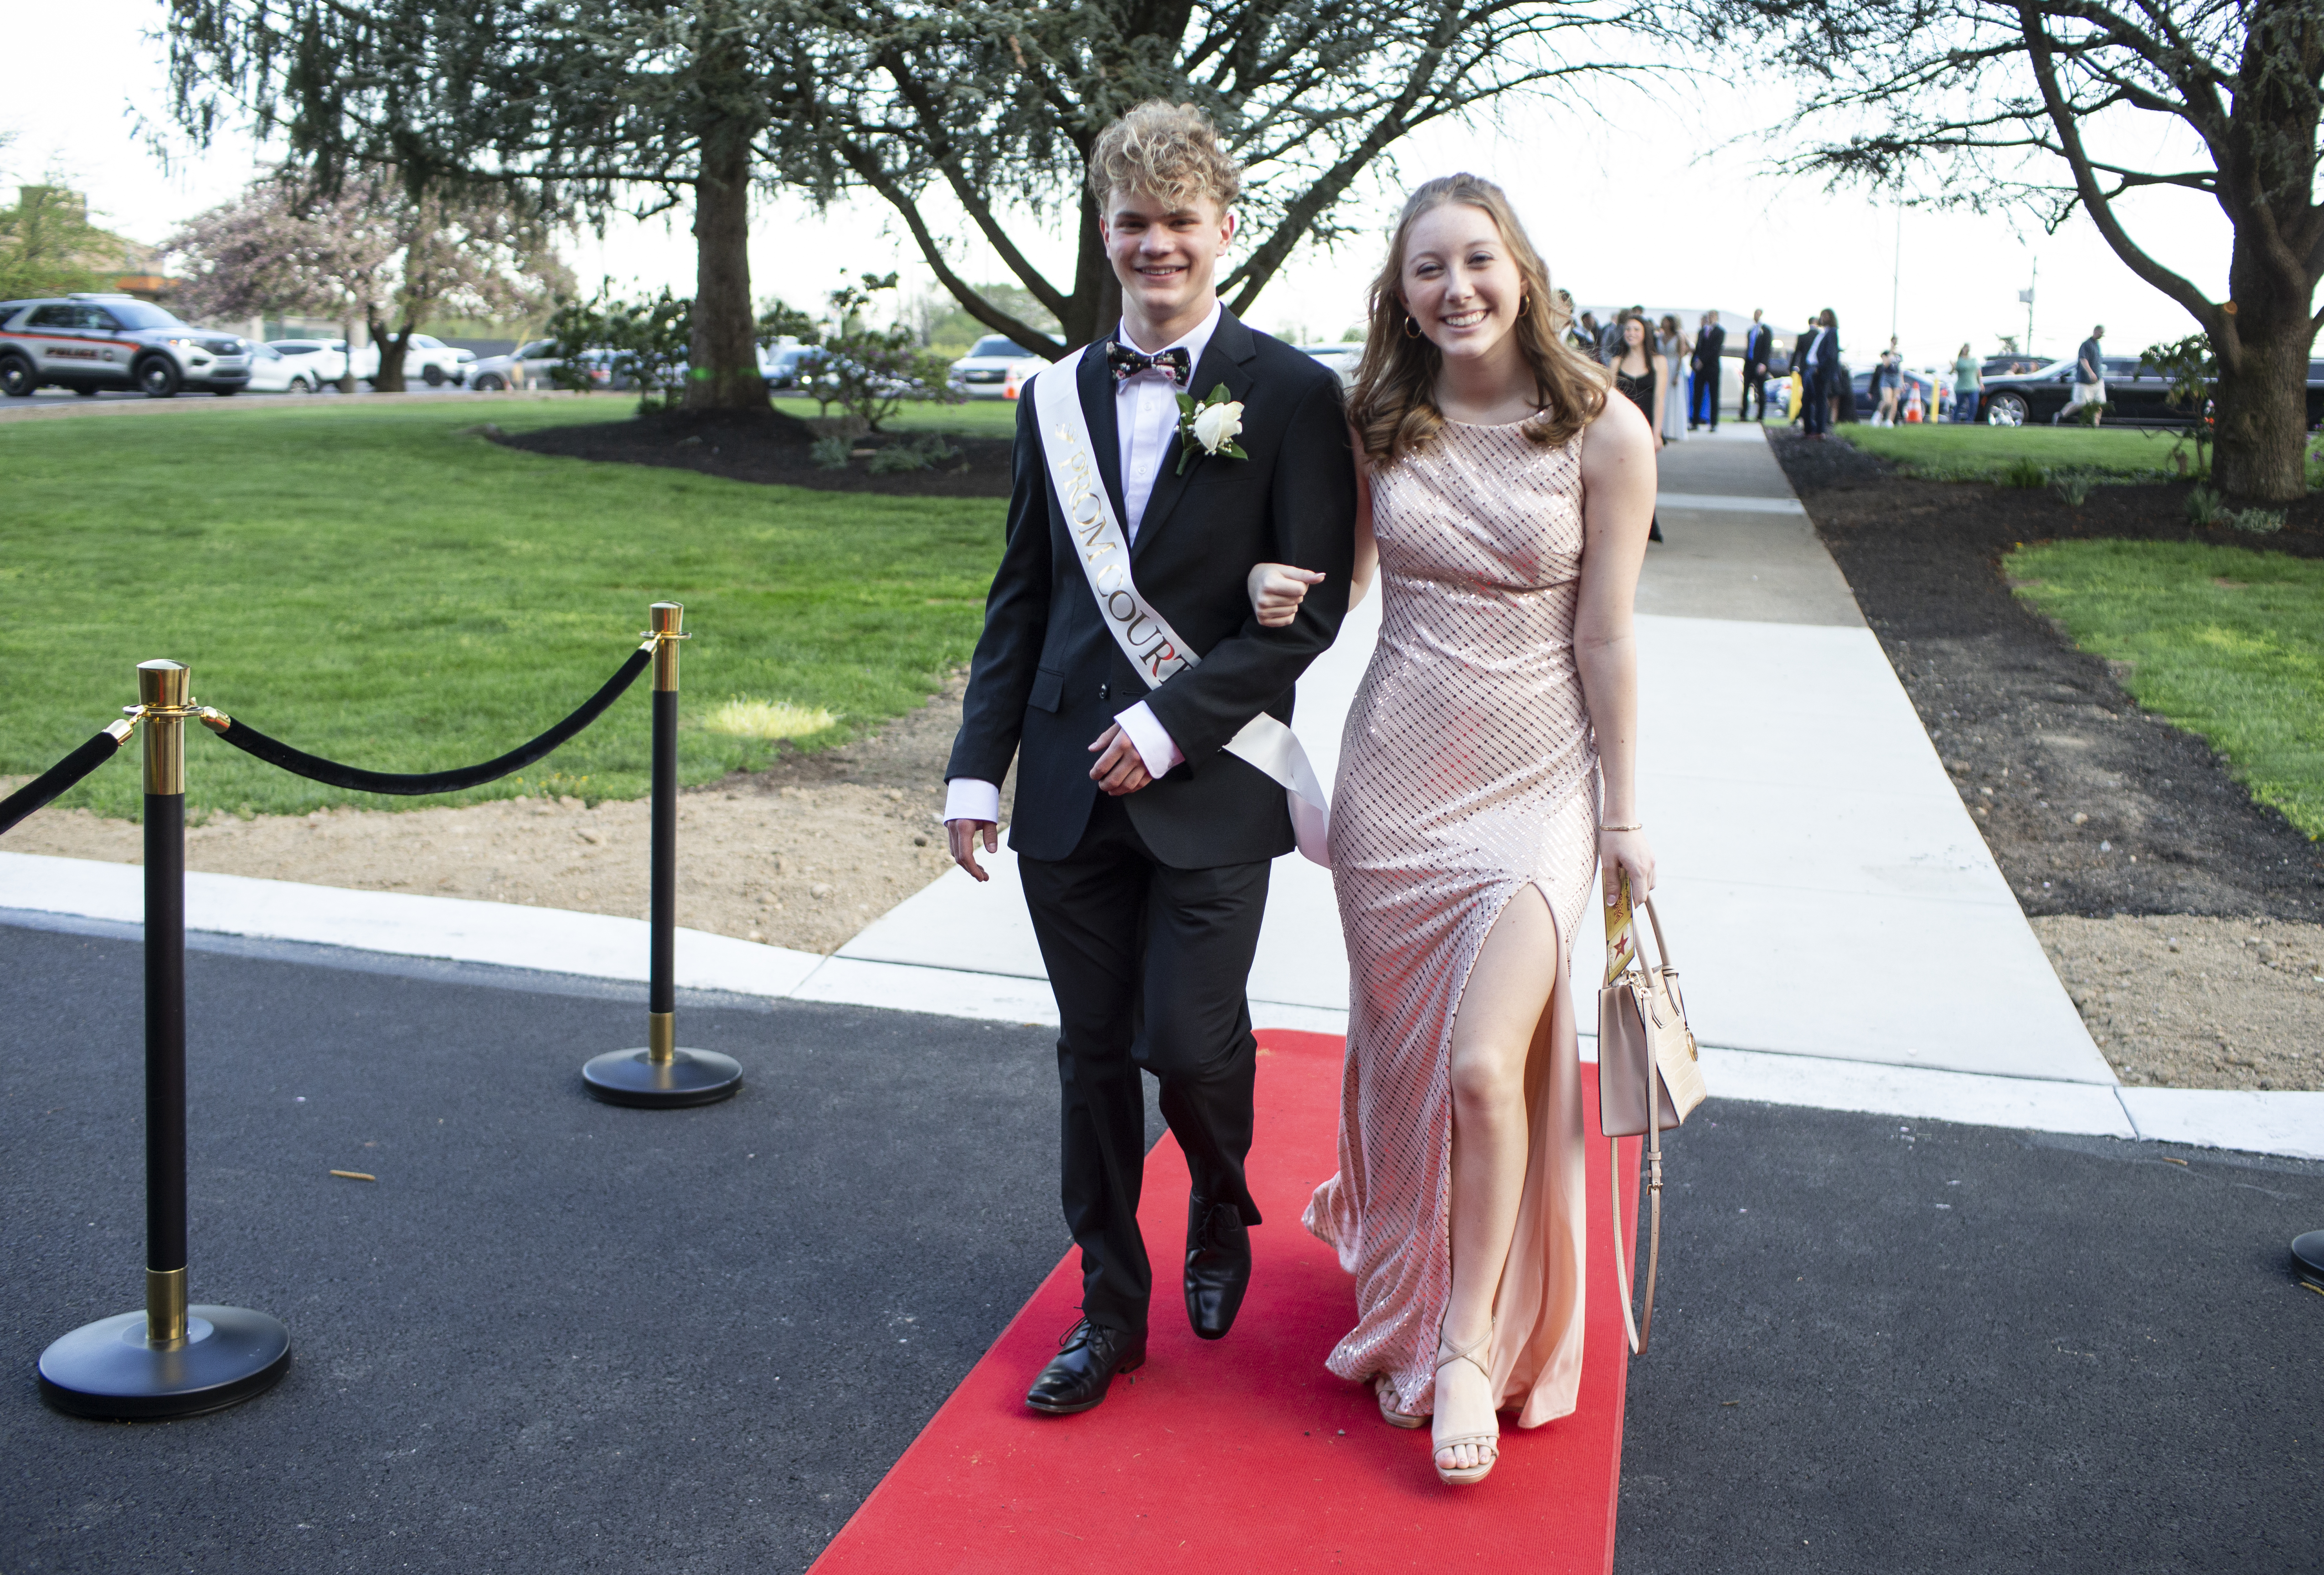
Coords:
pixel 1641 1328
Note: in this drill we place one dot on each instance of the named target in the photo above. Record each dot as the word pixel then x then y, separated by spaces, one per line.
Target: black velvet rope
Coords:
pixel 42 788
pixel 315 768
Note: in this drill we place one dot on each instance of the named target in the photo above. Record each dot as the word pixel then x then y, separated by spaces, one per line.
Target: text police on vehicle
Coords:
pixel 90 343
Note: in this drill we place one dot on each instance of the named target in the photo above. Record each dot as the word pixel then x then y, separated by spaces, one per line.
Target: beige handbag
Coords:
pixel 1646 1060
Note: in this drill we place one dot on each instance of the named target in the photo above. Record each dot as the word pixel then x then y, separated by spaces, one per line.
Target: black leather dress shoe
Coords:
pixel 1218 1265
pixel 1083 1370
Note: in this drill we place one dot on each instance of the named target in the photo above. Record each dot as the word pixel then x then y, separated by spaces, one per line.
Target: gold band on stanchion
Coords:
pixel 662 1076
pixel 174 1358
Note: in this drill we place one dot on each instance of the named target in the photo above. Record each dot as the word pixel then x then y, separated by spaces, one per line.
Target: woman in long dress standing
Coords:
pixel 1674 348
pixel 1486 771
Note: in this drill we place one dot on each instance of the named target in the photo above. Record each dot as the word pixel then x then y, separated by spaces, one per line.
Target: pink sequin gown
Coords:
pixel 1468 769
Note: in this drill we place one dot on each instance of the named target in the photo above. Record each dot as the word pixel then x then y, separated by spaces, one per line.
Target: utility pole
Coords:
pixel 2028 297
pixel 1896 272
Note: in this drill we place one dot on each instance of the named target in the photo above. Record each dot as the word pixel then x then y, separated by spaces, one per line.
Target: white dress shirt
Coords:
pixel 1146 415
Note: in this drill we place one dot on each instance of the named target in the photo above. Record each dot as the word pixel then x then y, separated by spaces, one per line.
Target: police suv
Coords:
pixel 90 343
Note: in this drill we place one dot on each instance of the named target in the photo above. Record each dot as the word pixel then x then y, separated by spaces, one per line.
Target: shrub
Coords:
pixel 870 371
pixel 2022 471
pixel 922 453
pixel 2205 508
pixel 2074 487
pixel 645 342
pixel 830 453
pixel 2258 521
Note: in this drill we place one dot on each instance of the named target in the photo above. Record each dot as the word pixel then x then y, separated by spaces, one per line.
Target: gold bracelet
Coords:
pixel 1635 825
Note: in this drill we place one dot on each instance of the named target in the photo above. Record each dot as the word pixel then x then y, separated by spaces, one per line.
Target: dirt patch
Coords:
pixel 2093 810
pixel 803 854
pixel 2193 1002
pixel 772 447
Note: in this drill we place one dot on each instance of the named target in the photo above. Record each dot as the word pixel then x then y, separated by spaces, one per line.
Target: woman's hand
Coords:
pixel 1277 589
pixel 1620 850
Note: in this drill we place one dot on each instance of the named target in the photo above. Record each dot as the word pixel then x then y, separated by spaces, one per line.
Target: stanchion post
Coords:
pixel 173 1358
pixel 662 1076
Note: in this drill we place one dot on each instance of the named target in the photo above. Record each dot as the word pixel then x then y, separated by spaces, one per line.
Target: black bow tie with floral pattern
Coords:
pixel 1128 363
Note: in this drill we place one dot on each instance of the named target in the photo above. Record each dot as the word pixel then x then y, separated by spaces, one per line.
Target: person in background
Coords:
pixel 1821 358
pixel 1710 344
pixel 1967 385
pixel 1672 347
pixel 1638 378
pixel 1888 386
pixel 2090 380
pixel 1800 379
pixel 1586 336
pixel 1758 352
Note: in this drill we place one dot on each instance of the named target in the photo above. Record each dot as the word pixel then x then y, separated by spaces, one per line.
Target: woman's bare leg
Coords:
pixel 1501 1008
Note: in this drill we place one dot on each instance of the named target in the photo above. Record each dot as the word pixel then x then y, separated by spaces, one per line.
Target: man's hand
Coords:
pixel 1119 769
pixel 962 835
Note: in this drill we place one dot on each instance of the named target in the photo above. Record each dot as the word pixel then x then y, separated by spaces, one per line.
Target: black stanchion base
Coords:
pixel 2307 1251
pixel 690 1077
pixel 107 1370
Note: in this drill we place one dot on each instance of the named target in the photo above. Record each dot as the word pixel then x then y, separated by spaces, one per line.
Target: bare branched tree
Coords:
pixel 2056 106
pixel 985 106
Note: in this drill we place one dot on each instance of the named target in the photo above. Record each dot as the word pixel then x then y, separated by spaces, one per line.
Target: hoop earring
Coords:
pixel 1411 327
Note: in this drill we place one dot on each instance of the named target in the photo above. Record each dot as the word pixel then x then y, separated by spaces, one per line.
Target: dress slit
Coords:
pixel 1467 772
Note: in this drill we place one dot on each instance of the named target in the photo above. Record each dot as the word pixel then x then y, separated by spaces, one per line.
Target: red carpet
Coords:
pixel 1243 1454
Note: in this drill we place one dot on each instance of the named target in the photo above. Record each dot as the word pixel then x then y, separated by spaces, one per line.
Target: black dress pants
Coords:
pixel 1755 382
pixel 1816 407
pixel 1149 965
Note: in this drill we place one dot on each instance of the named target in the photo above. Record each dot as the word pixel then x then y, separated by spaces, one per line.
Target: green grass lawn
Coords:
pixel 1944 452
pixel 377 585
pixel 2225 642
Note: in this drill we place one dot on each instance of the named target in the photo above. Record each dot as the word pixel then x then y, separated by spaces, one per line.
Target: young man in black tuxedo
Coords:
pixel 1758 350
pixel 1143 846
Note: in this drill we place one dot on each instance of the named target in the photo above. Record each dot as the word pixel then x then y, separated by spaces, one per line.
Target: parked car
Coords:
pixel 90 343
pixel 526 366
pixel 435 363
pixel 2136 395
pixel 983 372
pixel 324 361
pixel 1868 401
pixel 272 372
pixel 784 366
pixel 1342 359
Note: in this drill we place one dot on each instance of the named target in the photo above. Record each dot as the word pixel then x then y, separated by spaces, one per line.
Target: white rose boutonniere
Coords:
pixel 1209 426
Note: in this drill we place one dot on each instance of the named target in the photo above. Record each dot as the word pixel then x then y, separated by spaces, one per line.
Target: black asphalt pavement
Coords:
pixel 554 1335
pixel 560 1335
pixel 1892 1346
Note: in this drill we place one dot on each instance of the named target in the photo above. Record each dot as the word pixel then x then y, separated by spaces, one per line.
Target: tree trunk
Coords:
pixel 722 354
pixel 2262 403
pixel 1096 303
pixel 388 377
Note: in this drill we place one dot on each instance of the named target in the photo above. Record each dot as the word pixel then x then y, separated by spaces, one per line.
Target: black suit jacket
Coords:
pixel 1759 345
pixel 1047 678
pixel 1708 346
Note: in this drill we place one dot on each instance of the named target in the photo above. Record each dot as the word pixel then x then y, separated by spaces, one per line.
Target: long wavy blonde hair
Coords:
pixel 1394 406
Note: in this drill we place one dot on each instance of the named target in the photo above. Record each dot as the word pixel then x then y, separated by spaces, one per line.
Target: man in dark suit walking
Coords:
pixel 1759 354
pixel 1143 841
pixel 1710 344
pixel 1820 361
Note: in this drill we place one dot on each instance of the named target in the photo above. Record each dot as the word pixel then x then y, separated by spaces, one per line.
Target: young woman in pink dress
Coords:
pixel 1487 770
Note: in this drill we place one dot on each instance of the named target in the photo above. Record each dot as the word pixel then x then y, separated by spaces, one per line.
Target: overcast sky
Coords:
pixel 1650 199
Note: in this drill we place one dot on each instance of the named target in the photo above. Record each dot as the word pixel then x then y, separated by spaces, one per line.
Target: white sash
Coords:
pixel 1144 635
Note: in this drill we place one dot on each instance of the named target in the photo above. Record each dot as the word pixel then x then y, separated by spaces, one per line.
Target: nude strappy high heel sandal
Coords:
pixel 1470 1476
pixel 1385 1391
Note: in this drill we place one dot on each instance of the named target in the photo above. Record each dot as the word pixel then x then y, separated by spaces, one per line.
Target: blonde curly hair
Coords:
pixel 1169 150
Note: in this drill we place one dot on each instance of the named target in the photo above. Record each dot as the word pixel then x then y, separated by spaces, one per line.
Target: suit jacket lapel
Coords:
pixel 1226 360
pixel 1096 387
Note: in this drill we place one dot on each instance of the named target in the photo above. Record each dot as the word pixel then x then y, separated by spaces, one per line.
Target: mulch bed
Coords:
pixel 2035 731
pixel 770 447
